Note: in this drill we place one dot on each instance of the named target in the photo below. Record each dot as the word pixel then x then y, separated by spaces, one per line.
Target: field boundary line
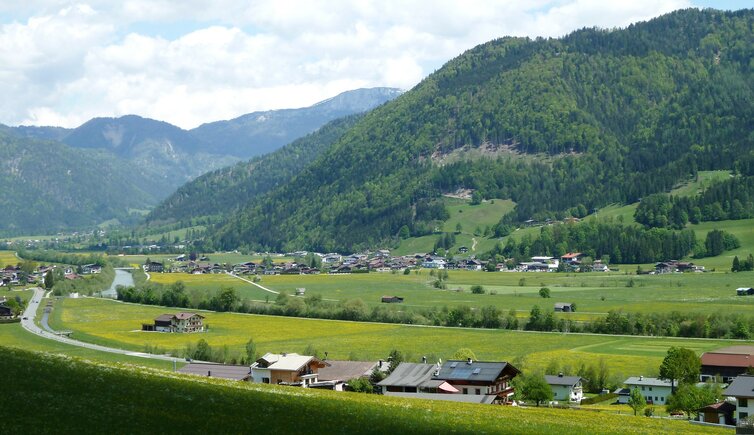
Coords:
pixel 253 283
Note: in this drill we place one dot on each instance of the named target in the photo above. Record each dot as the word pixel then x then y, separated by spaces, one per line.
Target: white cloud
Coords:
pixel 71 62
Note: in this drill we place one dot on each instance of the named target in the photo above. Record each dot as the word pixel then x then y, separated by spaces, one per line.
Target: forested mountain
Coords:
pixel 48 186
pixel 152 146
pixel 158 158
pixel 259 133
pixel 595 117
pixel 226 189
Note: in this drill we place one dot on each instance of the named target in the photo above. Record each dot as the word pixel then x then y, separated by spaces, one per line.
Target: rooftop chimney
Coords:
pixel 560 375
pixel 424 359
pixel 641 378
pixel 380 363
pixel 209 373
pixel 469 361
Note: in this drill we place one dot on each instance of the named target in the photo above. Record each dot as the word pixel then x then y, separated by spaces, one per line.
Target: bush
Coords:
pixel 477 289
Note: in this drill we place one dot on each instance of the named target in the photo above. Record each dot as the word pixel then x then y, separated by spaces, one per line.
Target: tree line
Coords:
pixel 613 241
pixel 675 324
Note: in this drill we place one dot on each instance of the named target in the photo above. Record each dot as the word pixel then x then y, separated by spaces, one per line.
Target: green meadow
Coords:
pixel 118 324
pixel 82 397
pixel 593 293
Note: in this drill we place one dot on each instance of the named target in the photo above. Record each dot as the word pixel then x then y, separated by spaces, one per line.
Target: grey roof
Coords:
pixel 454 370
pixel 742 386
pixel 345 370
pixel 650 382
pixel 223 371
pixel 466 398
pixel 409 375
pixel 562 380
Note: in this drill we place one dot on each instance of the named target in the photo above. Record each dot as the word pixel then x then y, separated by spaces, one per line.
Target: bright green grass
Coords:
pixel 81 397
pixel 488 213
pixel 198 286
pixel 117 324
pixel 704 180
pixel 743 229
pixel 591 292
pixel 471 218
pixel 8 258
pixel 13 335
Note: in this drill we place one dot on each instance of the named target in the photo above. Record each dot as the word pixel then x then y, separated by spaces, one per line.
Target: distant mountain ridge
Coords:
pixel 158 157
pixel 259 133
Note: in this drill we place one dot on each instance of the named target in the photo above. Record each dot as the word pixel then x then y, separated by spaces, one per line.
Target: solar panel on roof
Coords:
pixel 477 370
pixel 453 365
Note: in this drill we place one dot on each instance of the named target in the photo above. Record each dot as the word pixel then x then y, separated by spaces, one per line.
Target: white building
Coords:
pixel 742 388
pixel 655 391
pixel 565 388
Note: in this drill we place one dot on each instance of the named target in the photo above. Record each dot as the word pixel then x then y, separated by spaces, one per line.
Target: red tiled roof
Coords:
pixel 571 255
pixel 727 360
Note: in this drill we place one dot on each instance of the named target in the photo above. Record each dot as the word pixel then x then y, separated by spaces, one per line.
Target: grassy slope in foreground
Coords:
pixel 45 393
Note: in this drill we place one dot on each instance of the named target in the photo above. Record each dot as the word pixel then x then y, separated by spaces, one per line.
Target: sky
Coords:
pixel 188 62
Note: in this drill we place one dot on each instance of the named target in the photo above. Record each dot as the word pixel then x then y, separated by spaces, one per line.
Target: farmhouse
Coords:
pixel 745 291
pixel 392 300
pixel 153 266
pixel 742 388
pixel 287 369
pixel 565 388
pixel 655 391
pixel 727 362
pixel 415 378
pixel 572 257
pixel 88 269
pixel 565 307
pixel 337 373
pixel 479 378
pixel 181 322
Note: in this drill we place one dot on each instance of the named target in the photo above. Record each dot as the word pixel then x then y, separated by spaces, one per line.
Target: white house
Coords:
pixel 655 391
pixel 565 388
pixel 434 263
pixel 742 388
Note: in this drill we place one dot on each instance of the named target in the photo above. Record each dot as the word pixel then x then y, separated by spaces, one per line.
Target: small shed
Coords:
pixel 565 307
pixel 392 299
pixel 300 291
pixel 745 291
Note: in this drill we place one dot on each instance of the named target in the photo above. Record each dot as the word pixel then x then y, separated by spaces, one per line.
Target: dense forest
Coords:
pixel 48 186
pixel 224 190
pixel 596 117
pixel 729 199
pixel 613 242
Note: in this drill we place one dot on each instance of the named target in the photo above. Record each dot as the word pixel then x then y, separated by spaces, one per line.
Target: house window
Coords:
pixel 642 388
pixel 650 388
pixel 465 391
pixel 743 403
pixel 742 415
pixel 478 391
pixel 265 380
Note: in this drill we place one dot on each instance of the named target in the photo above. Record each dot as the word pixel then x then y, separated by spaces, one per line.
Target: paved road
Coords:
pixel 27 322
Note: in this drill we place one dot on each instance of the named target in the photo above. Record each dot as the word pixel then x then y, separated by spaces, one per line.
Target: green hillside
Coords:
pixel 224 190
pixel 48 186
pixel 81 397
pixel 594 118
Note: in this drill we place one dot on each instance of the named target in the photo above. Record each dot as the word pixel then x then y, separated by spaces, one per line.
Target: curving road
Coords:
pixel 27 322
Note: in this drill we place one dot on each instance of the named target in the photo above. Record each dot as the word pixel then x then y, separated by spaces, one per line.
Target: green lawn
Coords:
pixel 473 219
pixel 81 397
pixel 595 293
pixel 13 335
pixel 117 324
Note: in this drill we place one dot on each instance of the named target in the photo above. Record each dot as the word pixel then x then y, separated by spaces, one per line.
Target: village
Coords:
pixel 484 382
